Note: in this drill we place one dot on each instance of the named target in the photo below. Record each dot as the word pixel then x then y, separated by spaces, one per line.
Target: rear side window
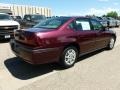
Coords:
pixel 96 25
pixel 82 24
pixel 72 25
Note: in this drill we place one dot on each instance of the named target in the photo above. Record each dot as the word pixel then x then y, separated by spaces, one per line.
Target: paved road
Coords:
pixel 96 71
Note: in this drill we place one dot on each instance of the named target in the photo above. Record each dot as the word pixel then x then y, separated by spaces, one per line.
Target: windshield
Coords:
pixel 5 17
pixel 52 23
pixel 37 17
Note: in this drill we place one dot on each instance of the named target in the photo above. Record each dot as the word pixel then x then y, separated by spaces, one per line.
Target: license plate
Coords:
pixel 7 36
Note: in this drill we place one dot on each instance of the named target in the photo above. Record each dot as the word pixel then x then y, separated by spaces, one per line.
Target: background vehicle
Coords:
pixel 101 20
pixel 118 23
pixel 32 19
pixel 112 22
pixel 7 26
pixel 62 40
pixel 18 18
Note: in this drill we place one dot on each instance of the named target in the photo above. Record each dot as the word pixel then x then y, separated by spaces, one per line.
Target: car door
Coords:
pixel 85 36
pixel 101 39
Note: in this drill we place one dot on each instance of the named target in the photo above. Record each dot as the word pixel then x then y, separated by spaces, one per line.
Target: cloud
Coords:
pixel 102 11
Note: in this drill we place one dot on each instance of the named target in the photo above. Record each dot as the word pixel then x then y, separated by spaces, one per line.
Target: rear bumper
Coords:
pixel 36 56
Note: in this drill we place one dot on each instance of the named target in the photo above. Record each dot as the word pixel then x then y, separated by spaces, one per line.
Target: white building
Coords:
pixel 21 10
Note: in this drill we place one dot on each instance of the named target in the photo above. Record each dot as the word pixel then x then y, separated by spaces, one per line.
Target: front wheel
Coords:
pixel 111 43
pixel 69 57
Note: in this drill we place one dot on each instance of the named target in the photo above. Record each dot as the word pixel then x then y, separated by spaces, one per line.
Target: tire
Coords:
pixel 69 57
pixel 111 43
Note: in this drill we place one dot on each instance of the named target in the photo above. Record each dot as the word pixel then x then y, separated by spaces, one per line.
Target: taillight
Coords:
pixel 28 38
pixel 38 39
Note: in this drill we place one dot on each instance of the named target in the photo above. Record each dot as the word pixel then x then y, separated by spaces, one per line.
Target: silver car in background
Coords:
pixel 101 20
pixel 117 23
pixel 112 22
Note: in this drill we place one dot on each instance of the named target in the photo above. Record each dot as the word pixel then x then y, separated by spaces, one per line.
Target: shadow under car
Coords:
pixel 22 70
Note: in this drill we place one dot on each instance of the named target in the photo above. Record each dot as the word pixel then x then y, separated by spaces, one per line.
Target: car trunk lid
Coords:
pixel 30 37
pixel 27 38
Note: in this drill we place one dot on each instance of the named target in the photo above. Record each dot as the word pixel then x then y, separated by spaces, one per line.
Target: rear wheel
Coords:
pixel 69 57
pixel 111 43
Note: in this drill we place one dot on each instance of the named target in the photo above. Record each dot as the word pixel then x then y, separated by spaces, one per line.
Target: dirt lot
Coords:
pixel 97 71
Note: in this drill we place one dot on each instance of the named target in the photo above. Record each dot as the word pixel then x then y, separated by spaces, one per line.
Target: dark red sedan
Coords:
pixel 61 39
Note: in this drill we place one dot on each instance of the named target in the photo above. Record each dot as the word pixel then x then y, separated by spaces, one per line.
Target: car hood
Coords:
pixel 8 23
pixel 39 30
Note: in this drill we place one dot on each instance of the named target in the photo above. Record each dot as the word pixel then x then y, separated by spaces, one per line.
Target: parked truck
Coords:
pixel 7 26
pixel 29 20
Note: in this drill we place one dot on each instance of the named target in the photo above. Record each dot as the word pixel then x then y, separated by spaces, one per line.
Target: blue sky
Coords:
pixel 72 7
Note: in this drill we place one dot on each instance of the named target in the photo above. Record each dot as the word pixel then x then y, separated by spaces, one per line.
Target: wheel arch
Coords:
pixel 74 44
pixel 114 36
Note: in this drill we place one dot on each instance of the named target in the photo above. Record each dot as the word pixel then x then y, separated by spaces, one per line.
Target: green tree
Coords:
pixel 113 14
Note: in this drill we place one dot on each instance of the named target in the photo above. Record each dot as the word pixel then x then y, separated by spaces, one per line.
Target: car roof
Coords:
pixel 34 14
pixel 72 17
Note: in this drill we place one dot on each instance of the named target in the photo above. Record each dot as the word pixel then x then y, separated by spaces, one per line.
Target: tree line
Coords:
pixel 113 14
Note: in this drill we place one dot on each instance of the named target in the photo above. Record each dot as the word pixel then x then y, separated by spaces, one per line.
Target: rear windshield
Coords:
pixel 52 23
pixel 5 17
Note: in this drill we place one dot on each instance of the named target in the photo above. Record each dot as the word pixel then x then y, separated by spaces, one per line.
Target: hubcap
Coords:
pixel 112 43
pixel 70 56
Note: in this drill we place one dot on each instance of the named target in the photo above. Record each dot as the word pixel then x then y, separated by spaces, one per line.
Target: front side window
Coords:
pixel 52 23
pixel 96 25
